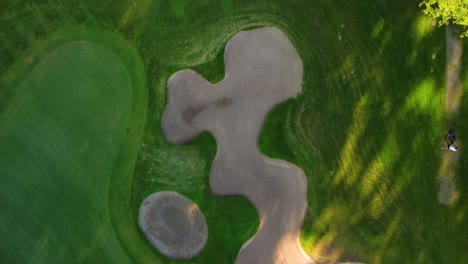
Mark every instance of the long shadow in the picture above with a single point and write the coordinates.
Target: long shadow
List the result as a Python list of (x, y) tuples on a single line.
[(399, 215)]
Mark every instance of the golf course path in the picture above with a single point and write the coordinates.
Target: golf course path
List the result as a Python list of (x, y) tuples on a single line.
[(453, 96), (263, 69)]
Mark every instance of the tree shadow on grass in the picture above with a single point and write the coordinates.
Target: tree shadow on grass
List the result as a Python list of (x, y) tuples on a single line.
[(367, 131)]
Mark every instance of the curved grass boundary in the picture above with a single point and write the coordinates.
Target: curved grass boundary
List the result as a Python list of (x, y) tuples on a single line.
[(367, 66), (222, 213), (117, 193)]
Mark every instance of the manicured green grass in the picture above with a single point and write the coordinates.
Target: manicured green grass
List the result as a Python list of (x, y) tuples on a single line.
[(366, 129), (61, 133)]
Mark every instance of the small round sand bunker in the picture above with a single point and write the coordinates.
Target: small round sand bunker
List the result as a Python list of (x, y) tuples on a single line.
[(173, 224)]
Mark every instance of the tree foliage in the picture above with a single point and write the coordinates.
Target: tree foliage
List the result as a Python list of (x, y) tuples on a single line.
[(448, 12)]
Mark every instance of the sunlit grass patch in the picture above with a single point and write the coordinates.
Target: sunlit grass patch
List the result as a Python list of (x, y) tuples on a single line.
[(351, 163), (426, 99), (380, 166), (422, 27)]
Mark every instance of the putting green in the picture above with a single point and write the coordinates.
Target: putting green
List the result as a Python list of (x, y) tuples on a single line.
[(63, 131)]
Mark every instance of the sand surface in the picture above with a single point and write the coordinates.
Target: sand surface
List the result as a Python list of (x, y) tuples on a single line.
[(263, 69), (173, 224)]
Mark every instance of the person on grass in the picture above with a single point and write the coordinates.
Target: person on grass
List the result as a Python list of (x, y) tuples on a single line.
[(451, 136), (450, 140)]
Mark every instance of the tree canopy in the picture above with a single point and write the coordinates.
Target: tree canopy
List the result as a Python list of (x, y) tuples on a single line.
[(448, 12)]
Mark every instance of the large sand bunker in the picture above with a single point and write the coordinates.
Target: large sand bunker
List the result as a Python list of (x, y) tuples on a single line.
[(262, 70), (173, 224)]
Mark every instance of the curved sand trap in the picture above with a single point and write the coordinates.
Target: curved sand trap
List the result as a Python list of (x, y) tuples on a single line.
[(173, 224), (262, 70)]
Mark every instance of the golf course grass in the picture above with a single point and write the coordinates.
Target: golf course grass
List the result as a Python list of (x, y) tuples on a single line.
[(62, 130), (83, 87)]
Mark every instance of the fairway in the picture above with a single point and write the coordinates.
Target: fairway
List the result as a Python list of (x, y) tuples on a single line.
[(83, 88)]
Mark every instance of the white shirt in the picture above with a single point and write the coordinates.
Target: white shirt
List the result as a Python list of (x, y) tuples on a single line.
[(452, 148)]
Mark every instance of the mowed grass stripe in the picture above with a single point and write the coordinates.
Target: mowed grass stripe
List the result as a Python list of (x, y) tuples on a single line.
[(66, 123)]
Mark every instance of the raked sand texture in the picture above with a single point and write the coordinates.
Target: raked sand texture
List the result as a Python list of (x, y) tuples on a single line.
[(173, 224), (263, 69)]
